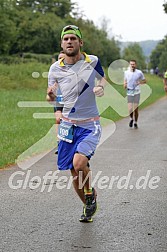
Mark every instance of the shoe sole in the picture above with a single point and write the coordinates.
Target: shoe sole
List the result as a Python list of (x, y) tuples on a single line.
[(86, 219)]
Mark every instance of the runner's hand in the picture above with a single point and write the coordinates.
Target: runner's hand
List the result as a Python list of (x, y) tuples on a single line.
[(51, 92), (99, 91)]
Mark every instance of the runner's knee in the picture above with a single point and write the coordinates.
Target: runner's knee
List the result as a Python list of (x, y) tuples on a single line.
[(80, 162)]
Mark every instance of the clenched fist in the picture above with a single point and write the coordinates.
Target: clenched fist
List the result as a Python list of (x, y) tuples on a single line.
[(99, 91)]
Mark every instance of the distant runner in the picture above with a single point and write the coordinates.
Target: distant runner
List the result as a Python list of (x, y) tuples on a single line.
[(133, 78)]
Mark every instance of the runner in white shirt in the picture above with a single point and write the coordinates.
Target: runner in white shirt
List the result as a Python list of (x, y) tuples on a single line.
[(132, 80)]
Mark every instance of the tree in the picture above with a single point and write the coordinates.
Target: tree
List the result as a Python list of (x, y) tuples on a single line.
[(157, 58), (37, 34), (163, 62), (61, 8), (35, 26), (8, 28), (134, 51)]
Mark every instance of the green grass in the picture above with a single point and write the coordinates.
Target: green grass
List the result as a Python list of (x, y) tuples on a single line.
[(19, 130)]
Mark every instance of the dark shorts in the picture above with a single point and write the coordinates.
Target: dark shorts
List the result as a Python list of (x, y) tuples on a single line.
[(58, 109)]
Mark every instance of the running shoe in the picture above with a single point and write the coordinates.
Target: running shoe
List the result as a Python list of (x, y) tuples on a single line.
[(131, 124), (85, 218), (135, 126), (91, 204)]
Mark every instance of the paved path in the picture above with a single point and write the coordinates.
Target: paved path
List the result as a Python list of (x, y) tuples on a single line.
[(132, 212)]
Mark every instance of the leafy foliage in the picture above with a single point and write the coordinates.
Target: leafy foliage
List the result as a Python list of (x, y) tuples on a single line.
[(61, 8), (159, 55), (8, 28), (35, 27), (147, 46), (134, 51), (30, 26)]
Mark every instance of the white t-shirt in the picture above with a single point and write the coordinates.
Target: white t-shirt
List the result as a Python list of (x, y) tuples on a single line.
[(132, 79)]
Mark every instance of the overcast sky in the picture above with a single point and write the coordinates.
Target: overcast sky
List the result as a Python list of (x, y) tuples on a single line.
[(134, 20)]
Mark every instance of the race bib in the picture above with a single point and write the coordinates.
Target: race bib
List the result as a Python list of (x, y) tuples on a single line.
[(65, 132), (130, 92), (133, 92), (59, 98)]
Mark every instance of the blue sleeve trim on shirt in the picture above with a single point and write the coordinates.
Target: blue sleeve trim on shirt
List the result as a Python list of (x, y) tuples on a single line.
[(99, 70)]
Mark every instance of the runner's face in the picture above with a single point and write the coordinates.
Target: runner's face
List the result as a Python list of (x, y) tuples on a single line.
[(133, 65), (71, 44)]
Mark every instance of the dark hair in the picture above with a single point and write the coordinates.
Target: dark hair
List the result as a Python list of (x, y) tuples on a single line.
[(132, 60)]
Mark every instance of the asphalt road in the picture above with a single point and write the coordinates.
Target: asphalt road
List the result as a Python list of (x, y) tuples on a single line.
[(130, 168)]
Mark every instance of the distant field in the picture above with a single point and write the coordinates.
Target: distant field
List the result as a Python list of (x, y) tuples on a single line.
[(19, 130)]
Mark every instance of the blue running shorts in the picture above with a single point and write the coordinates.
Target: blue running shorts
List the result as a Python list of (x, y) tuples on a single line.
[(86, 137)]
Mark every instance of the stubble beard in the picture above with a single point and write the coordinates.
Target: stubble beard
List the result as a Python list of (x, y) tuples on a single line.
[(133, 69), (72, 53)]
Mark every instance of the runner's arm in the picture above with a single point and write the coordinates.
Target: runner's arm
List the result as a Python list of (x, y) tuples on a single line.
[(99, 89)]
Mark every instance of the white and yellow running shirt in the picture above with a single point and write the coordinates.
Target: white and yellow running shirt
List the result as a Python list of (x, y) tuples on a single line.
[(76, 83)]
